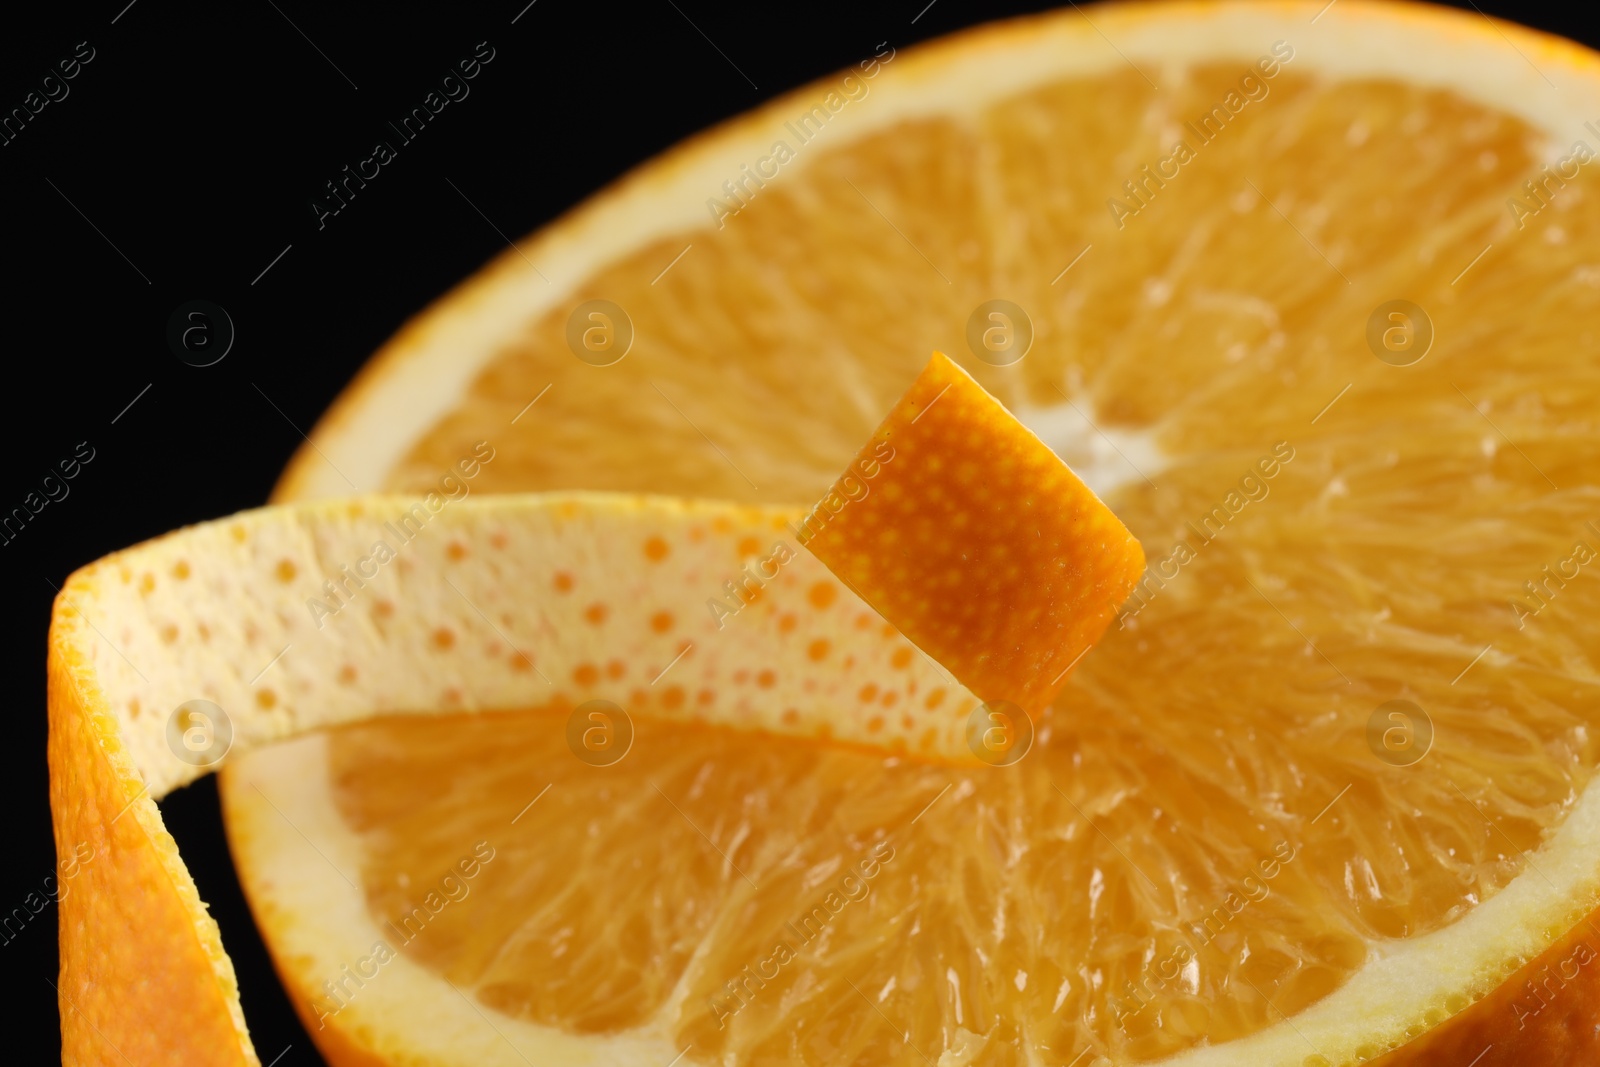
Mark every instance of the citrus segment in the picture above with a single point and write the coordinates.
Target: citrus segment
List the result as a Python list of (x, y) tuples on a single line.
[(974, 540)]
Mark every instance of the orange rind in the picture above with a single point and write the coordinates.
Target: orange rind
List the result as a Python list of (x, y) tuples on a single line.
[(294, 618), (976, 541)]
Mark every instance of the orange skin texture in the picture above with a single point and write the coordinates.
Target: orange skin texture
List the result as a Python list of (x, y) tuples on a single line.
[(124, 924), (1554, 1024), (977, 541)]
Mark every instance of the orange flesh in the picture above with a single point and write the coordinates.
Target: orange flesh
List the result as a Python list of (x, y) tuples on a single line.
[(1002, 880), (1195, 781), (976, 541)]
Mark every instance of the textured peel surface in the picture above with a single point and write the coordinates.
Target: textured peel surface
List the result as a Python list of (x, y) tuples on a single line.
[(976, 541)]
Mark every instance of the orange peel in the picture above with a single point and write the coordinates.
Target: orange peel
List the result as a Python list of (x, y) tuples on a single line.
[(538, 601), (976, 541)]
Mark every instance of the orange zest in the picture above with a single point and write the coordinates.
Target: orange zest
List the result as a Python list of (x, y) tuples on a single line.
[(976, 541)]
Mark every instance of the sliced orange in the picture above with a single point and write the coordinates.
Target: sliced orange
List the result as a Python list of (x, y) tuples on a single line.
[(1229, 852)]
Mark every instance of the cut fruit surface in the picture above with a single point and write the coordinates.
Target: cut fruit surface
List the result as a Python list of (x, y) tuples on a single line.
[(973, 539), (1327, 532), (1237, 848)]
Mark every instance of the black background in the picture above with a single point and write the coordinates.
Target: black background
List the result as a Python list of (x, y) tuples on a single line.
[(184, 159)]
